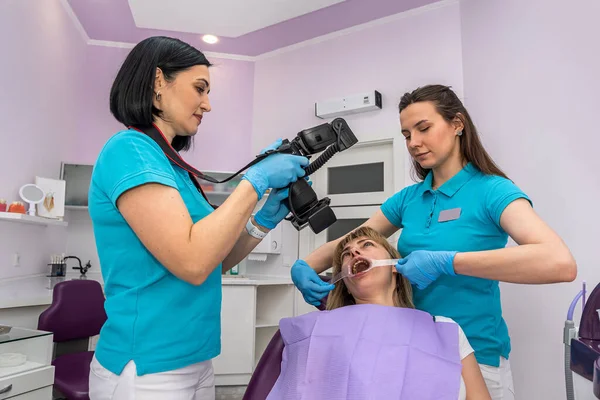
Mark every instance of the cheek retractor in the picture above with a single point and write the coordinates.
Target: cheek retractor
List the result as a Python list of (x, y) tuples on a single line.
[(361, 266)]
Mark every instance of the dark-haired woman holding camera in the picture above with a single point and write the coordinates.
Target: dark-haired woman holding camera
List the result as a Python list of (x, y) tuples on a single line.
[(162, 247)]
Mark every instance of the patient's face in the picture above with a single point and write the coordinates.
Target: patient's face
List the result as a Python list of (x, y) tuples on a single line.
[(376, 280)]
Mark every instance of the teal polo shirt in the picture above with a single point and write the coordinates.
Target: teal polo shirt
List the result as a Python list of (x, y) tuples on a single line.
[(157, 320), (473, 303)]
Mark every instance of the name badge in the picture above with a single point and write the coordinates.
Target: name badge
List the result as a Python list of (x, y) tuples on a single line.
[(449, 215)]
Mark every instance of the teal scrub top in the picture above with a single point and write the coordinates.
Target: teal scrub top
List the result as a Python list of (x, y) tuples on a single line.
[(474, 303), (157, 320)]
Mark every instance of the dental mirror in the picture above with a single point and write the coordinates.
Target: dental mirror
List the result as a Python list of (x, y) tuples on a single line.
[(32, 194)]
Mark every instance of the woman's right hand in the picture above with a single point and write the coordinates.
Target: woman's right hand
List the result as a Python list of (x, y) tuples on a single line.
[(276, 171), (312, 287)]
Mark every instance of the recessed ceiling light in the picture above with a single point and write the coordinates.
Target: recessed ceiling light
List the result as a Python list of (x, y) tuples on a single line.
[(211, 39)]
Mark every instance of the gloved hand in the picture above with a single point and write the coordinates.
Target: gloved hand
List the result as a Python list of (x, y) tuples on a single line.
[(312, 287), (274, 210), (273, 146), (422, 267), (276, 171)]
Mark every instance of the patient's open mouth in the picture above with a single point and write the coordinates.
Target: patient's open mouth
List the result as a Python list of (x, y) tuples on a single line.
[(360, 266)]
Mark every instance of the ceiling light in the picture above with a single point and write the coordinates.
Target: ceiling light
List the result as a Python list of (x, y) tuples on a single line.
[(211, 39)]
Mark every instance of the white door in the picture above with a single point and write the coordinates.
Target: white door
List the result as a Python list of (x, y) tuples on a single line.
[(367, 173), (357, 181)]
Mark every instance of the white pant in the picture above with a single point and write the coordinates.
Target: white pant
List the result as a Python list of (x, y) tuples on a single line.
[(499, 380), (194, 382)]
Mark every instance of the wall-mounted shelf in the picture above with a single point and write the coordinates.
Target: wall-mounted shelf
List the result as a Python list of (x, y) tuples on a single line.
[(76, 207), (30, 219)]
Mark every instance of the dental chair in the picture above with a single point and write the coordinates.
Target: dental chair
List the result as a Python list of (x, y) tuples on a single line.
[(582, 348), (75, 315), (269, 366)]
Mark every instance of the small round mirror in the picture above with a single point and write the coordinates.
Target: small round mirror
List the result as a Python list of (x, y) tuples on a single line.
[(32, 194)]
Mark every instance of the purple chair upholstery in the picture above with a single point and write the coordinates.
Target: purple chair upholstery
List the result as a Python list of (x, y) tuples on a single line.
[(269, 366), (77, 312), (596, 381)]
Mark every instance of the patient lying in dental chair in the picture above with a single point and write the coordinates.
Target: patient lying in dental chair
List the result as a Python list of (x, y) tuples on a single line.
[(371, 343)]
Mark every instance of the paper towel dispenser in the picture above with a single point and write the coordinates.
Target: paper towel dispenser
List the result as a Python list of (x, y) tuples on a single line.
[(271, 244)]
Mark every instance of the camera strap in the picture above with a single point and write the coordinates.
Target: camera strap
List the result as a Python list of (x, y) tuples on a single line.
[(155, 134)]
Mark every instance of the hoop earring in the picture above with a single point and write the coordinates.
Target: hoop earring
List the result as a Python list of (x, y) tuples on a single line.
[(158, 95)]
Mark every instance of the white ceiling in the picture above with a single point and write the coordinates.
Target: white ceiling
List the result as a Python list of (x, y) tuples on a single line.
[(228, 18)]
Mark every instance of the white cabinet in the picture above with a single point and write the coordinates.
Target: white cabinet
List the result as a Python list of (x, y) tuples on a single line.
[(39, 394), (252, 309), (33, 377), (237, 332)]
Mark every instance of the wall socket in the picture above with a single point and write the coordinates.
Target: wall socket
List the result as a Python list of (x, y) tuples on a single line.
[(16, 259)]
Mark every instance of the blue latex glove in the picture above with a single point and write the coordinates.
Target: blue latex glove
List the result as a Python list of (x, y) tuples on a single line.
[(276, 171), (273, 146), (312, 287), (422, 267), (274, 210)]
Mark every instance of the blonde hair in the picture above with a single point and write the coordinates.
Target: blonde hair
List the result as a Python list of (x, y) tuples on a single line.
[(340, 296)]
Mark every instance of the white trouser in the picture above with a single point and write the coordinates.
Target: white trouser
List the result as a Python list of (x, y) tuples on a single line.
[(499, 380), (194, 382)]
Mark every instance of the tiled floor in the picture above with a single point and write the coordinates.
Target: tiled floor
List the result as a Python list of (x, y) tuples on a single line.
[(230, 392)]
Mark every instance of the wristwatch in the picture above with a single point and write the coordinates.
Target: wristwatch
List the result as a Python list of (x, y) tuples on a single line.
[(254, 231)]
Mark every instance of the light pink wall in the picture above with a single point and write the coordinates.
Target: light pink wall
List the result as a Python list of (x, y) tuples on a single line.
[(41, 71), (54, 105), (393, 58), (531, 82), (223, 141), (95, 123)]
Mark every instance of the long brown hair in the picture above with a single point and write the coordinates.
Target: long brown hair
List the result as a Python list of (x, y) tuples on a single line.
[(340, 296), (449, 106)]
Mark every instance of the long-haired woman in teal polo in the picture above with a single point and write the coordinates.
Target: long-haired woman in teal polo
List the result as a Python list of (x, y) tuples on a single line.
[(455, 226)]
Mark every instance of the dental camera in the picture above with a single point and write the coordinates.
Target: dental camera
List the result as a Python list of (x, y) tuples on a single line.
[(306, 209), (304, 206)]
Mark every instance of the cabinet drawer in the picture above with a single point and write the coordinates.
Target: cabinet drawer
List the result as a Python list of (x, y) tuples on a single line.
[(40, 394), (27, 381)]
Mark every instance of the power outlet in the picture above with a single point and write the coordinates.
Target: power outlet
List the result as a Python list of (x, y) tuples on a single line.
[(16, 260)]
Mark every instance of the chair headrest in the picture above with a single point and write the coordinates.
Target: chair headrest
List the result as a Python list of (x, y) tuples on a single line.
[(77, 310)]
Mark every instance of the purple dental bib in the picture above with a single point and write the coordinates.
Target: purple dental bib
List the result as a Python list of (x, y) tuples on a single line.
[(368, 352)]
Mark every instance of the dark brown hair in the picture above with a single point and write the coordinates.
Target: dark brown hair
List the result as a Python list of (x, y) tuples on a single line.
[(340, 296), (133, 89), (449, 106)]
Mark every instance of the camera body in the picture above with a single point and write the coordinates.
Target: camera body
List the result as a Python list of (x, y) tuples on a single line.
[(329, 138)]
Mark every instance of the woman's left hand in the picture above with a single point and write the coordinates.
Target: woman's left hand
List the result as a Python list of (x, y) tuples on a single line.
[(274, 210), (422, 267)]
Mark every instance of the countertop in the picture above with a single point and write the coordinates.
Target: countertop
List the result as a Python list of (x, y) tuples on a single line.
[(256, 280), (36, 290)]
